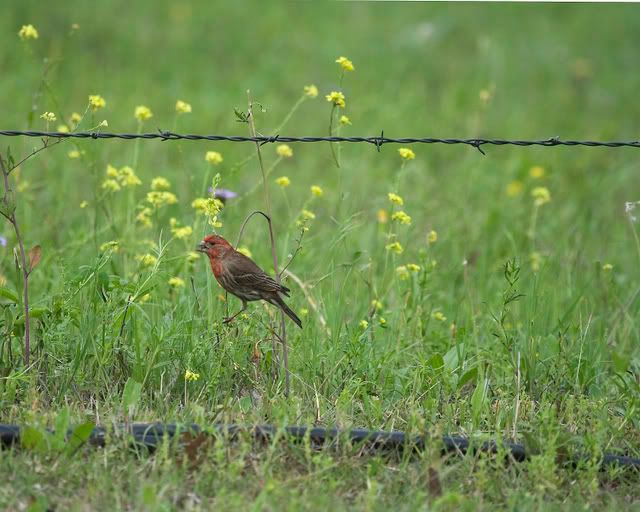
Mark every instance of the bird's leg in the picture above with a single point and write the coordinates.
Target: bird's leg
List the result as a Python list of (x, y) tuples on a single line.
[(229, 319)]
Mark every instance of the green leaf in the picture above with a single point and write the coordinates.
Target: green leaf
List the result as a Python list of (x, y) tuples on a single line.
[(130, 396), (9, 294), (79, 436), (436, 362), (62, 424), (468, 376), (32, 438)]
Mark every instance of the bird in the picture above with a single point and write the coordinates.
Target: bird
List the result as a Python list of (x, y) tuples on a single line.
[(240, 276)]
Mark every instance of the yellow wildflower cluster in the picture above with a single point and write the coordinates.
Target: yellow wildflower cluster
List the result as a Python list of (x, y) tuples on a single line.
[(344, 120), (96, 102), (160, 183), (176, 282), (112, 245), (337, 98), (305, 219), (412, 267), (541, 195), (116, 179), (159, 198), (432, 236), (311, 91), (74, 153), (191, 376), (514, 188), (142, 113), (537, 172), (438, 316), (179, 232), (147, 260), (363, 324), (28, 32), (283, 181), (406, 154), (144, 217), (182, 107), (210, 208), (401, 217), (395, 199), (404, 271), (317, 191), (284, 151), (62, 128), (213, 157), (395, 247), (607, 267), (345, 64), (75, 119), (84, 204), (376, 304), (48, 117)]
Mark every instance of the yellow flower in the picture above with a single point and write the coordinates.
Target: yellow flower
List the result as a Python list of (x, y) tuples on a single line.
[(412, 267), (128, 177), (304, 312), (406, 153), (147, 260), (28, 32), (144, 217), (213, 157), (395, 199), (607, 267), (382, 216), (191, 376), (96, 102), (142, 113), (63, 128), (311, 91), (75, 118), (307, 215), (485, 95), (383, 322), (48, 116), (112, 172), (344, 120), (536, 172), (514, 188), (540, 196), (284, 151), (402, 272), (337, 98), (316, 191), (103, 123), (183, 107), (376, 304), (112, 245), (176, 282), (395, 247), (245, 251), (363, 324), (160, 198), (111, 185), (345, 64), (439, 316), (84, 204), (74, 153), (181, 232), (535, 258), (283, 181), (160, 183), (432, 236), (401, 217), (145, 298)]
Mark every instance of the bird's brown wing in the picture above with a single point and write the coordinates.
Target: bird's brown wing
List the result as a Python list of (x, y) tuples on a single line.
[(248, 275)]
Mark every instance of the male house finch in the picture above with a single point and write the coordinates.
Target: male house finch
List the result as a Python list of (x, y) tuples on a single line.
[(241, 277)]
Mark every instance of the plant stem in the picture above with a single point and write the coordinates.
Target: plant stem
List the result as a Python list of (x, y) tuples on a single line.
[(274, 254)]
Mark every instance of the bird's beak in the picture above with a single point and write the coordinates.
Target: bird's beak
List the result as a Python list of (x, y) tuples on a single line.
[(201, 247)]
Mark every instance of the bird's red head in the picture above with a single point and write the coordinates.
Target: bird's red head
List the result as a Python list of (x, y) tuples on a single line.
[(213, 245)]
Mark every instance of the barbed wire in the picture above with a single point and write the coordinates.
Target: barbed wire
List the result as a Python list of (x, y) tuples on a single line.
[(378, 141)]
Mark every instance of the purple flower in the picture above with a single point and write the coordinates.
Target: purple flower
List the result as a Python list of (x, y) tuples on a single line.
[(3, 241), (223, 194)]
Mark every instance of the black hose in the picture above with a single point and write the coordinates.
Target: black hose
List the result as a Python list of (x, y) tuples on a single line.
[(149, 435)]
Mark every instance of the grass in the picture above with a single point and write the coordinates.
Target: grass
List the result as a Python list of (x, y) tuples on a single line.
[(521, 322)]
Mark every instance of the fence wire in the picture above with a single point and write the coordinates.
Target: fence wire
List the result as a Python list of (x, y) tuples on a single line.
[(377, 141)]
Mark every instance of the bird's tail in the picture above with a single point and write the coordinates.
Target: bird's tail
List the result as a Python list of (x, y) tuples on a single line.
[(283, 306)]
